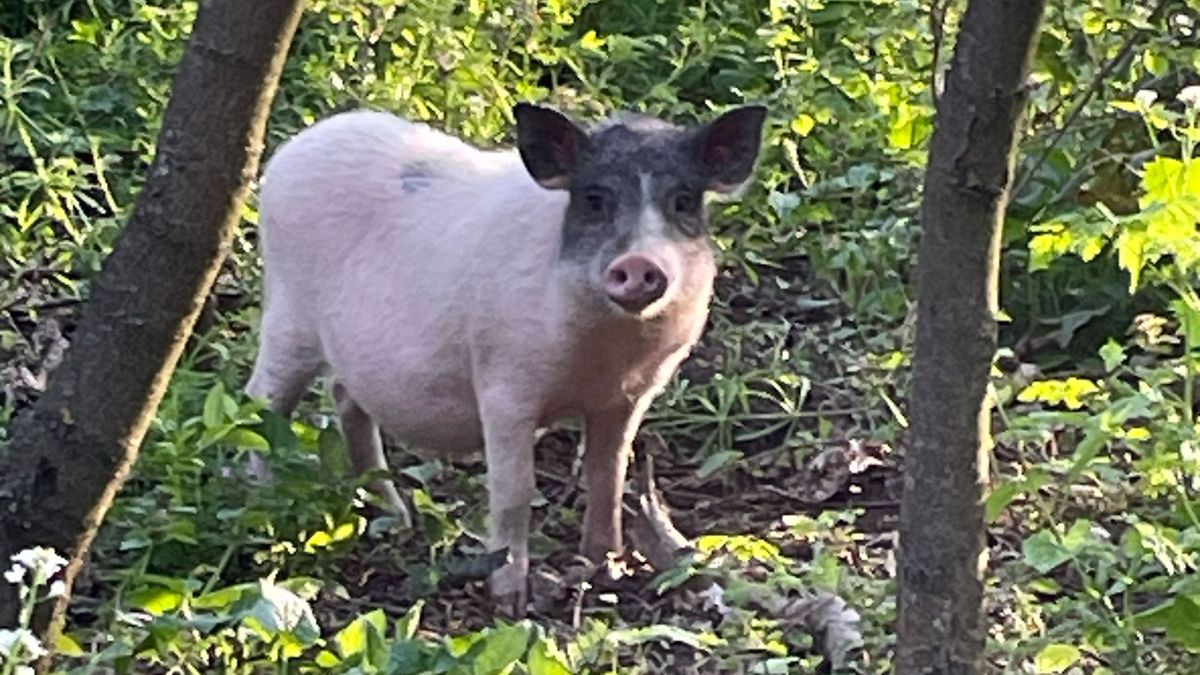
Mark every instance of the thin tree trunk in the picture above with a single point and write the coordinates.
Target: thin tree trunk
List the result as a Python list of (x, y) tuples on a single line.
[(942, 534), (71, 451)]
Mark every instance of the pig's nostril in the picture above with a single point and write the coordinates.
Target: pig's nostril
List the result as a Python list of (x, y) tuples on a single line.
[(619, 276), (651, 278)]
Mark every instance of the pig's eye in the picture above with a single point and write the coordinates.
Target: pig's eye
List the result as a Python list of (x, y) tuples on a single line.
[(683, 203), (597, 202)]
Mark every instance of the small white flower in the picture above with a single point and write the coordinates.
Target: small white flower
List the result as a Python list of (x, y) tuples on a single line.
[(1189, 96), (42, 561), (1145, 98), (8, 638), (56, 589), (15, 575), (24, 670), (28, 644), (1182, 21)]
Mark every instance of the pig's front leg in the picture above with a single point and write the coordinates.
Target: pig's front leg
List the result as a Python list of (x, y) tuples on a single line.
[(607, 448), (508, 446)]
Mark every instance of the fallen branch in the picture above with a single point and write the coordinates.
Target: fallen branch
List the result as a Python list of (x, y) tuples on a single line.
[(826, 616)]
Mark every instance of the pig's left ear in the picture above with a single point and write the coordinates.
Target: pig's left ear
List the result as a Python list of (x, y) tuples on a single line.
[(549, 143), (727, 147)]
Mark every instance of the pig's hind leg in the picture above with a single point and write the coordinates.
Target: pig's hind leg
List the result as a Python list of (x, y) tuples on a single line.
[(366, 451), (286, 365)]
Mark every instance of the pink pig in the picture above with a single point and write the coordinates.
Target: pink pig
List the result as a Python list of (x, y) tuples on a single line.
[(463, 298)]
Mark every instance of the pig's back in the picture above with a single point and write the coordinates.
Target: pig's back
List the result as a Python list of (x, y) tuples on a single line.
[(339, 189)]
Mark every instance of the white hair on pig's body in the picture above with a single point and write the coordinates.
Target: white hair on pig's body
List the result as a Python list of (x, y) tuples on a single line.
[(350, 246), (428, 277)]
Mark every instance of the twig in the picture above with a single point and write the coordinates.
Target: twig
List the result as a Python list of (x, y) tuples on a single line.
[(1122, 54), (57, 303)]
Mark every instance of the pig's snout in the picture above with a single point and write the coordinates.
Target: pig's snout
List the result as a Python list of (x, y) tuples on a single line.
[(634, 281)]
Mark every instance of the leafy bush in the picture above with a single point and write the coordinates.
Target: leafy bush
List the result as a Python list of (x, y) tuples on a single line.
[(1094, 534)]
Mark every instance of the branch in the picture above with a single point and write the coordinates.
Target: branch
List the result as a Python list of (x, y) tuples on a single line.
[(1122, 54)]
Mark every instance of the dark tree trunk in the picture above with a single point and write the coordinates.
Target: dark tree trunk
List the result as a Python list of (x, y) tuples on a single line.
[(71, 451), (942, 535)]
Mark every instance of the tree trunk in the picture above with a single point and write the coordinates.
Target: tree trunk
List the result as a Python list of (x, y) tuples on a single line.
[(71, 451), (942, 534)]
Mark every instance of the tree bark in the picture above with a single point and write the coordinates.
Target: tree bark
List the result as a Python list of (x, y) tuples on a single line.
[(942, 533), (71, 451)]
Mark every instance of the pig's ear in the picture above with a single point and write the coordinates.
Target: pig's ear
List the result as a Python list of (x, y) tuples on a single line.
[(727, 147), (549, 143)]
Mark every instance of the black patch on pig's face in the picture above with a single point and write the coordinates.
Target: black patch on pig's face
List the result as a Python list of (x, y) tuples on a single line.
[(635, 176), (633, 169)]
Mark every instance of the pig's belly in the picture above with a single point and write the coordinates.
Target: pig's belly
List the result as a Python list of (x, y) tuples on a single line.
[(446, 425)]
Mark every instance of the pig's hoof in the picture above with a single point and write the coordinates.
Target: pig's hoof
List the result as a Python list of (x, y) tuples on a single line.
[(512, 606), (509, 589), (391, 501), (601, 550)]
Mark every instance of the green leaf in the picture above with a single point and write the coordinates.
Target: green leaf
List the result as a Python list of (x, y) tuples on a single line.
[(1181, 619), (1163, 179), (1057, 657), (246, 439), (1093, 442), (1007, 491), (501, 648), (803, 124), (1131, 245), (1078, 536), (331, 448), (902, 133), (327, 660), (352, 639), (156, 600), (277, 429), (662, 633), (592, 42), (1155, 64), (546, 659), (279, 611), (1071, 392), (718, 461), (214, 406), (66, 645), (1113, 354), (1043, 552), (1046, 247), (223, 598), (412, 657), (406, 626), (1002, 496)]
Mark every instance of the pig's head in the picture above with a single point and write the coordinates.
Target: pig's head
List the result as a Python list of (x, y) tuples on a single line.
[(635, 230)]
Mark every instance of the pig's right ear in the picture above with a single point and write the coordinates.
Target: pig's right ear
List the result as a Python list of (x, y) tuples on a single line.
[(549, 143)]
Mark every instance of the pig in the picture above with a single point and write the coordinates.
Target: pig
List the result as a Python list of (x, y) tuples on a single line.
[(462, 298)]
